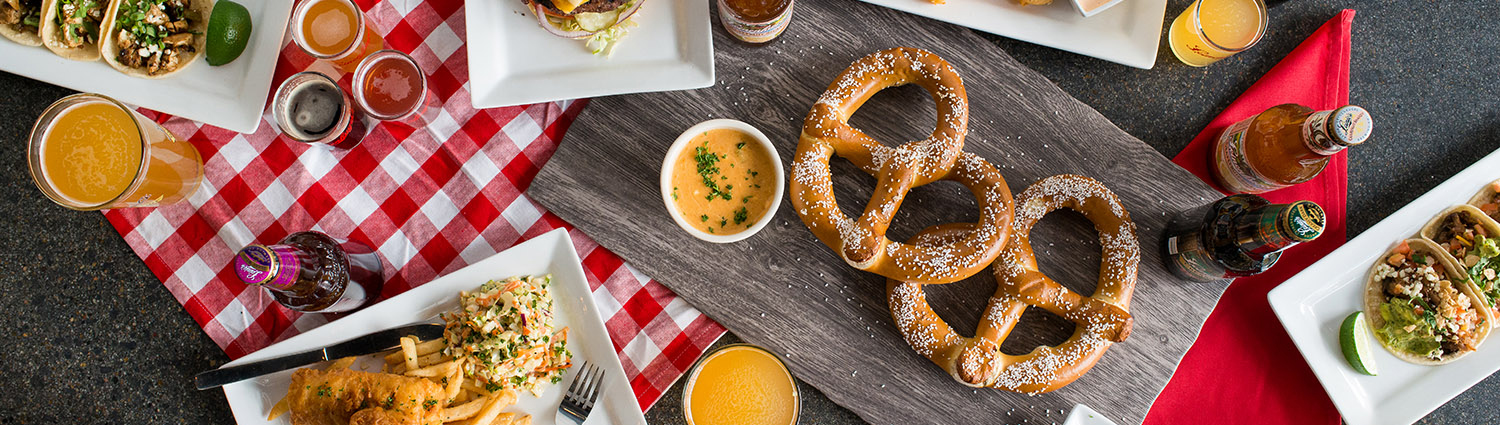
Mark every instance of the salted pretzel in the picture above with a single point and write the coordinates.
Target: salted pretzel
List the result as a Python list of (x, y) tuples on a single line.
[(862, 242), (1102, 319)]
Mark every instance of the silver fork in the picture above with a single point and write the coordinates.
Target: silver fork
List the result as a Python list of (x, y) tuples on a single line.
[(579, 400)]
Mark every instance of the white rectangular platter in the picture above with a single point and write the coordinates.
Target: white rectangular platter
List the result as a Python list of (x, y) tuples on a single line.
[(1312, 305), (231, 96), (513, 61), (551, 253), (1127, 33)]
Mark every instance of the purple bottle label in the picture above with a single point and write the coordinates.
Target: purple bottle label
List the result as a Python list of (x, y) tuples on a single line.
[(262, 265)]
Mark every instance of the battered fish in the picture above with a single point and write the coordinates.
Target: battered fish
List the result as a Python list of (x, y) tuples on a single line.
[(348, 397)]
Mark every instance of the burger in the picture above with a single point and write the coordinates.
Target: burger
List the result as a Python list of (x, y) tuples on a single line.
[(599, 23)]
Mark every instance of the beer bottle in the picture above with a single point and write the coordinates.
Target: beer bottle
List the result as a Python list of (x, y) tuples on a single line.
[(1285, 145), (313, 272), (1240, 235)]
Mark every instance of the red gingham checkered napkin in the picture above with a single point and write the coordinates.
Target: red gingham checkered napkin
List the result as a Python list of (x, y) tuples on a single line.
[(430, 201)]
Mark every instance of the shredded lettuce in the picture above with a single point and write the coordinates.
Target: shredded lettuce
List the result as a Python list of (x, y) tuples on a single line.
[(607, 33), (1398, 315)]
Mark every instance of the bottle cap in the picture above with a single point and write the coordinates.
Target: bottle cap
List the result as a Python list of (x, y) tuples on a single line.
[(261, 265), (1350, 125), (1303, 221)]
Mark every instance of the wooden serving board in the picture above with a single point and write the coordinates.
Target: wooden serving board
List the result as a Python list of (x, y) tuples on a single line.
[(784, 290)]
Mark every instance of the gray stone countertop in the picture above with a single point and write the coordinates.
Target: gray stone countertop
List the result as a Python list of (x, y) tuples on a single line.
[(88, 335)]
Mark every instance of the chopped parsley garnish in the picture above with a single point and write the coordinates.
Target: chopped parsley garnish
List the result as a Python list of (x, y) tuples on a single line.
[(741, 215), (708, 168)]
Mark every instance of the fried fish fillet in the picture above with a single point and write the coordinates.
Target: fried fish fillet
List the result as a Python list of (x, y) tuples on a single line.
[(348, 397)]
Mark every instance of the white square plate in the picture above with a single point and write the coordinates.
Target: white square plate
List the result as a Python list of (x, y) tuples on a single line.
[(550, 253), (1126, 33), (1312, 305), (513, 61), (231, 96)]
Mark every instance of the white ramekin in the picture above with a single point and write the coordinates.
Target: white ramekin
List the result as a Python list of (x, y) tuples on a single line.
[(682, 143)]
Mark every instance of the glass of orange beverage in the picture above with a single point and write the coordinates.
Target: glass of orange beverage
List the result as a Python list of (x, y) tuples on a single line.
[(89, 152), (740, 384), (1211, 30), (389, 86), (334, 30)]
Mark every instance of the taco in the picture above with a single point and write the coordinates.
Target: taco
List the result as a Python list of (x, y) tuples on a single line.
[(21, 21), (1420, 309), (154, 38), (71, 28), (1471, 241), (1488, 200)]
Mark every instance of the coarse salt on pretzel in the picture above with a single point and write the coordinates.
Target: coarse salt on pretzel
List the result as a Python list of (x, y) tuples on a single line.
[(1101, 319), (862, 242)]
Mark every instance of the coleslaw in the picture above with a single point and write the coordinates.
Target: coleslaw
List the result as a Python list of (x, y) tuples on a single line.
[(504, 333)]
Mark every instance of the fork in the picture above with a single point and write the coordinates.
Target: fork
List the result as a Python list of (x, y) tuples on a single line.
[(579, 401)]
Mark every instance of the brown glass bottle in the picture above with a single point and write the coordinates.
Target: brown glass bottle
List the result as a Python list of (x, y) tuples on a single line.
[(1285, 145), (1240, 235), (313, 272)]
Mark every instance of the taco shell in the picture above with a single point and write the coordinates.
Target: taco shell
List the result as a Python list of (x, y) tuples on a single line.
[(52, 34), (1375, 296), (1430, 230), (110, 49), (1486, 194), (28, 38)]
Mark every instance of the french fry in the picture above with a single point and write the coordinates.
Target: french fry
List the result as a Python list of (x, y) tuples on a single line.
[(504, 418), (423, 348), (455, 381), (409, 350), (342, 363), (463, 396), (279, 409), (432, 358), (437, 370), (524, 420), (477, 388), (464, 411), (490, 411)]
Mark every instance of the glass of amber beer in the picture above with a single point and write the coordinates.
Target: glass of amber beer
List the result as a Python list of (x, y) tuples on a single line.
[(334, 30), (1211, 30), (89, 152)]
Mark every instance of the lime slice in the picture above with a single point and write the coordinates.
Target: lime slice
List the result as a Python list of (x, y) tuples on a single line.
[(228, 32), (1354, 337)]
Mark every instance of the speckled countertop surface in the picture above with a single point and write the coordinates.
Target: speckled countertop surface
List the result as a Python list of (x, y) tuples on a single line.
[(88, 335)]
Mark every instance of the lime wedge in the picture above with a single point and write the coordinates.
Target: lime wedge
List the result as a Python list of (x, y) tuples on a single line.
[(1354, 337)]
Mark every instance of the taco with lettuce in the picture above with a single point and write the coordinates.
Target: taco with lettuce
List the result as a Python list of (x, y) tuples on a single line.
[(71, 28), (21, 21), (1472, 241), (154, 38), (1421, 309)]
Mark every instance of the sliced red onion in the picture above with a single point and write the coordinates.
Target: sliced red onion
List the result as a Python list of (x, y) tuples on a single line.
[(541, 18)]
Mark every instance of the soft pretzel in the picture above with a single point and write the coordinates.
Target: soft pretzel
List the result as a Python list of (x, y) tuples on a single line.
[(862, 242), (1101, 319)]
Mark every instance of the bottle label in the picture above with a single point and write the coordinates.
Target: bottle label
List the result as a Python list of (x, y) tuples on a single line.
[(1187, 258), (1233, 167), (262, 265), (1305, 220)]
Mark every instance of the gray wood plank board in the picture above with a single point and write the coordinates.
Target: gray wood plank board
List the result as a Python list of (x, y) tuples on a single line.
[(784, 290)]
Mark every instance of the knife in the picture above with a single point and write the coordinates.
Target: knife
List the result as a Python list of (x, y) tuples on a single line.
[(368, 344)]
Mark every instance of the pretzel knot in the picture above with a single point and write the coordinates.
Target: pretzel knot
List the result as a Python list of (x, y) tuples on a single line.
[(862, 242), (1101, 319)]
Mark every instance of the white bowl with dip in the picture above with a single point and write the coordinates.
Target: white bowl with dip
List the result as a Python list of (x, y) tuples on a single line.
[(763, 183)]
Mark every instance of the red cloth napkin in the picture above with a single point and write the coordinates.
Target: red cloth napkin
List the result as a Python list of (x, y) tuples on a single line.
[(1244, 368)]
